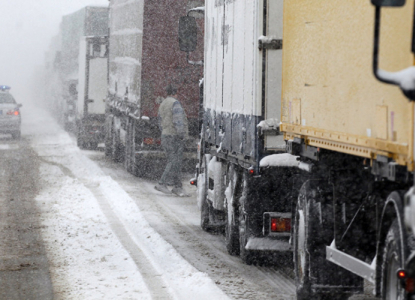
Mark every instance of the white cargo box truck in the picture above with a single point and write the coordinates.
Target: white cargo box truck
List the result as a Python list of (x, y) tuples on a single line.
[(92, 91), (244, 176)]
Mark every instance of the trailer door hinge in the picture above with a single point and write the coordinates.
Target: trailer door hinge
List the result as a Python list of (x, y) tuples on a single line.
[(269, 43)]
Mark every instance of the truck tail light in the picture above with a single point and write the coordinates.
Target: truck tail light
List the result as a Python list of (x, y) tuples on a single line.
[(151, 141), (193, 181), (407, 282), (280, 224), (401, 274), (410, 285)]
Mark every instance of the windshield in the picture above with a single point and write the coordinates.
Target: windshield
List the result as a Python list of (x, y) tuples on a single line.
[(6, 98)]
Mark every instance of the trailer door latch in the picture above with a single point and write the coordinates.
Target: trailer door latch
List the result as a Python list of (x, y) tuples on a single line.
[(269, 43)]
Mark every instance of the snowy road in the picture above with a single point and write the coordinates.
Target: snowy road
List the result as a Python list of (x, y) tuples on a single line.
[(110, 235), (24, 270)]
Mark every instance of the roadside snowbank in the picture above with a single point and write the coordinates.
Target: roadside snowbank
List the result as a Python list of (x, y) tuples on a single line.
[(88, 261)]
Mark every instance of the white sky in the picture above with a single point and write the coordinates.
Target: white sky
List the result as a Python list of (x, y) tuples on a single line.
[(26, 29)]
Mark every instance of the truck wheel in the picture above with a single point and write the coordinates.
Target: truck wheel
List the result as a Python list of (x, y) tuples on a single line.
[(80, 143), (301, 249), (117, 155), (232, 195), (204, 216), (108, 149), (205, 208), (16, 135), (247, 256), (93, 145), (139, 167), (392, 261), (312, 232)]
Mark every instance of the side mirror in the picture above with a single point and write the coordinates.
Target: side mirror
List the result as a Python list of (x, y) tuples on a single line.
[(187, 34), (388, 2), (405, 79)]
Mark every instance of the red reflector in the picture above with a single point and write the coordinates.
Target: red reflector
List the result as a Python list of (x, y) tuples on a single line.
[(148, 141), (193, 181), (401, 274), (410, 285), (280, 225), (151, 141)]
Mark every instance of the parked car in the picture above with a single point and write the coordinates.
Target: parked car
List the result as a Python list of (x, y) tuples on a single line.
[(10, 118)]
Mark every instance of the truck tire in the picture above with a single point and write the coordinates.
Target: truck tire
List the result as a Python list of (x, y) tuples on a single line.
[(232, 195), (108, 149), (204, 217), (247, 256), (108, 140), (117, 154), (312, 232), (204, 205), (392, 261), (93, 145), (16, 135), (80, 143), (139, 167)]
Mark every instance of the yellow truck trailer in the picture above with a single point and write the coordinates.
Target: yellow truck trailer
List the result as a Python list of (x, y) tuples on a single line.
[(355, 139)]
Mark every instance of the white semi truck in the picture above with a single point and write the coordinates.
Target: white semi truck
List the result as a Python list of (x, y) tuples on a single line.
[(244, 175)]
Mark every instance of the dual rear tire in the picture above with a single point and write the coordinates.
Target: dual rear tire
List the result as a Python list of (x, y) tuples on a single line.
[(313, 230), (16, 135)]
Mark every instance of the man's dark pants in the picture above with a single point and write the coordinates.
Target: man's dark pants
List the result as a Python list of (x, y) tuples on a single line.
[(174, 146)]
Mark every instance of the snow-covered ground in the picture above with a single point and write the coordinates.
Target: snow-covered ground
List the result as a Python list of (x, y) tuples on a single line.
[(99, 244), (110, 235)]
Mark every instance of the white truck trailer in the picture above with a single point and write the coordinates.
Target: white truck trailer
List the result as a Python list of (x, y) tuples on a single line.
[(92, 91), (63, 66), (244, 176)]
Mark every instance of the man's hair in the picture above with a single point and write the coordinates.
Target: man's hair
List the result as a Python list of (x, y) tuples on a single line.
[(171, 90)]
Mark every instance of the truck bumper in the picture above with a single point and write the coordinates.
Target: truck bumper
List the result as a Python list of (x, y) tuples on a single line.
[(268, 244), (158, 154)]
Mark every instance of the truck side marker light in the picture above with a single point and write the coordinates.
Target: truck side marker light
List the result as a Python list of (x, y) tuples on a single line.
[(280, 225), (401, 274)]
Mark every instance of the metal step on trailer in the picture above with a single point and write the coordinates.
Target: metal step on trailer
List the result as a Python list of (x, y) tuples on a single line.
[(268, 244), (350, 263)]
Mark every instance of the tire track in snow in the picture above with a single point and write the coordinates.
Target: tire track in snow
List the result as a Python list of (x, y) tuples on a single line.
[(281, 284), (158, 288), (153, 279)]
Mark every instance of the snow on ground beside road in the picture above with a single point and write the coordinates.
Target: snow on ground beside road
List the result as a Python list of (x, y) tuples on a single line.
[(88, 260)]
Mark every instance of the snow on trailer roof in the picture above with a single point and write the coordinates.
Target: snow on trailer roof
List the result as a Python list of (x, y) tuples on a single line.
[(279, 160)]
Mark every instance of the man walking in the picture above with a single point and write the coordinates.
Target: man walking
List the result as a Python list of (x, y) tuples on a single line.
[(174, 132)]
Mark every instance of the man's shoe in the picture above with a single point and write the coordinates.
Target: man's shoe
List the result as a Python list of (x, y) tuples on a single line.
[(162, 188), (179, 192)]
